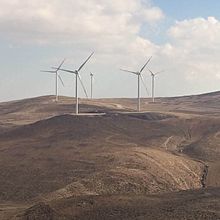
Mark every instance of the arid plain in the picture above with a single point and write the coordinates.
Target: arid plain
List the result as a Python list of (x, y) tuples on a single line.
[(162, 163)]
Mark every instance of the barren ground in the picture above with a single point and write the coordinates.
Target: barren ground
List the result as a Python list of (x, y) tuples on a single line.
[(162, 163)]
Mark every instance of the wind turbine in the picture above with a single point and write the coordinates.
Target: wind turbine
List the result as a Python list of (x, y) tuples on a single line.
[(58, 77), (77, 76), (153, 82), (91, 84), (139, 77)]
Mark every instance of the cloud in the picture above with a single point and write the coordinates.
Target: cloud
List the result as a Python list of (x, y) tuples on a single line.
[(189, 31), (153, 14), (71, 21), (195, 43)]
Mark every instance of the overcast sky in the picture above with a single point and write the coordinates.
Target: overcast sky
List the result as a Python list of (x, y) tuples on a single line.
[(182, 36)]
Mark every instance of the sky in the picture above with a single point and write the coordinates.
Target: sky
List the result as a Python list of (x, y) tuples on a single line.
[(183, 38)]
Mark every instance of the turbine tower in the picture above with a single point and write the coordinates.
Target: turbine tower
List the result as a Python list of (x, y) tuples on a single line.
[(77, 76), (139, 77), (58, 77), (91, 85), (153, 83)]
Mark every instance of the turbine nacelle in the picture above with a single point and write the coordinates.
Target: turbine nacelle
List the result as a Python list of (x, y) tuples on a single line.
[(154, 74)]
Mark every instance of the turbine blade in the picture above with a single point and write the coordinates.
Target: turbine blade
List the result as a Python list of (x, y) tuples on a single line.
[(145, 86), (58, 68), (85, 62), (64, 70), (61, 64), (129, 71), (84, 89), (48, 71), (61, 80), (159, 72), (145, 64), (151, 72)]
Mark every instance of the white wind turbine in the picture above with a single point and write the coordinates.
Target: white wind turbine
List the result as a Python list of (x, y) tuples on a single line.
[(139, 77), (153, 83), (77, 76), (58, 77), (91, 85)]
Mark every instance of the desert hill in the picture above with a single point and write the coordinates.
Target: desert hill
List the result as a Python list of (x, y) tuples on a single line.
[(198, 204), (50, 159)]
